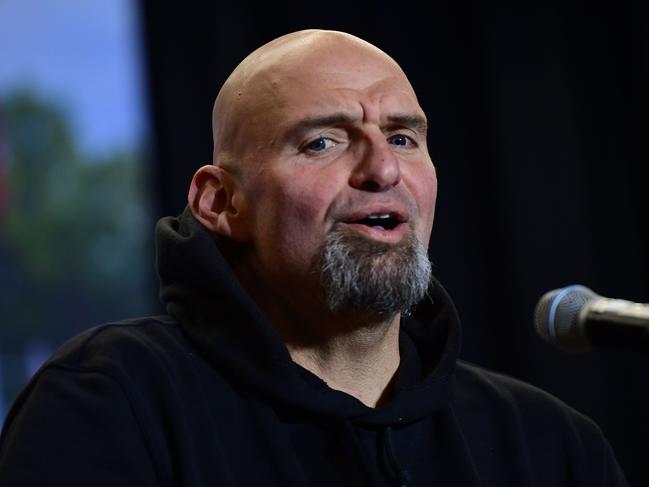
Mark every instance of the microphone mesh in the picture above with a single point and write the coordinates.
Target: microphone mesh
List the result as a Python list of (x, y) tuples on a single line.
[(556, 317)]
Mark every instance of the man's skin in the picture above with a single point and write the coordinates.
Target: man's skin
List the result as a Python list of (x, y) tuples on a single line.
[(313, 131)]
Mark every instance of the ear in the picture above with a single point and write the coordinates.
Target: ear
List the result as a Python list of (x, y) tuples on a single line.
[(217, 201)]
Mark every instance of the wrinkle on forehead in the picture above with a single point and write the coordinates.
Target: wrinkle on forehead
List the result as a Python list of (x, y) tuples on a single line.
[(258, 87)]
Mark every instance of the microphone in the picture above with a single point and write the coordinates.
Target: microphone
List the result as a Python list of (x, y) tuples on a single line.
[(576, 319)]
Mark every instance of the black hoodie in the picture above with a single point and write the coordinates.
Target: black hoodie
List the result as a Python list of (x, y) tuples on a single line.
[(209, 396)]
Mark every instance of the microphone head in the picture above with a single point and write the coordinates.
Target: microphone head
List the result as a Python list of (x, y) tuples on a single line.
[(556, 317)]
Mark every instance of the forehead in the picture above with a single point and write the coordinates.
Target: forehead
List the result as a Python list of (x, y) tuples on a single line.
[(322, 92), (334, 74)]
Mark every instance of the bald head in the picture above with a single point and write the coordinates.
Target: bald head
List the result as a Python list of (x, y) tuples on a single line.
[(253, 98)]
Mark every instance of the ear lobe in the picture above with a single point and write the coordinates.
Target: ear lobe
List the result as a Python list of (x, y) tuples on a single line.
[(216, 200)]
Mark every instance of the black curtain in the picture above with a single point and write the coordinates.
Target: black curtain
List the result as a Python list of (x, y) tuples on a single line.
[(538, 128)]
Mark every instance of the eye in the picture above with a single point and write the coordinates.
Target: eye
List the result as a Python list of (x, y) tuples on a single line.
[(401, 140), (320, 144)]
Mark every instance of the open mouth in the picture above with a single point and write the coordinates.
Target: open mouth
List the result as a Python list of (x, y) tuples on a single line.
[(386, 221)]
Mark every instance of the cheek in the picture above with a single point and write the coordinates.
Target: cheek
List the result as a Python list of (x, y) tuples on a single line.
[(310, 204), (294, 206), (430, 192), (424, 188), (308, 191)]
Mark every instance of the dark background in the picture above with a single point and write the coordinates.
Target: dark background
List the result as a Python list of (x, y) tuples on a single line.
[(538, 128)]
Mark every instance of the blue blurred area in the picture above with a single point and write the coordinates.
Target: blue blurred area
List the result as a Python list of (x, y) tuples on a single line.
[(75, 216), (87, 56)]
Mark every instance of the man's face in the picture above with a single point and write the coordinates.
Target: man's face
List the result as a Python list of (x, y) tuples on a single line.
[(340, 145)]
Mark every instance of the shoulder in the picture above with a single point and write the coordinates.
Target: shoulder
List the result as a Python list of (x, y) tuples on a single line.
[(511, 419), (477, 388), (86, 403), (136, 359), (475, 383), (511, 407), (129, 366), (124, 343)]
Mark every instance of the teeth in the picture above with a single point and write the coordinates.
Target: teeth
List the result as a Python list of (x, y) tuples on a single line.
[(377, 217)]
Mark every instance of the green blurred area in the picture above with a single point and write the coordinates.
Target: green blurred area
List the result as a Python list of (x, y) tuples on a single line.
[(76, 245)]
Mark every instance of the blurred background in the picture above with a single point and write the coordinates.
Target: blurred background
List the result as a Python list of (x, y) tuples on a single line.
[(539, 128), (76, 200)]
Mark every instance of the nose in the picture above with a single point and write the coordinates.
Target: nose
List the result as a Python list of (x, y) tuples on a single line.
[(378, 167)]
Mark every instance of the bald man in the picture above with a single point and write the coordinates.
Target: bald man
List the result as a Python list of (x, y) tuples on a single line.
[(306, 342)]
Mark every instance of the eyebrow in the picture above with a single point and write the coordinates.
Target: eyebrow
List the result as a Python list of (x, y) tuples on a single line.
[(414, 122), (309, 123), (411, 121)]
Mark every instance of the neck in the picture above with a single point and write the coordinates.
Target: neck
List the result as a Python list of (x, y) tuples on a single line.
[(354, 352), (360, 361)]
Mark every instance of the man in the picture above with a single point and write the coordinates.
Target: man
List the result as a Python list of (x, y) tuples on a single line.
[(306, 342)]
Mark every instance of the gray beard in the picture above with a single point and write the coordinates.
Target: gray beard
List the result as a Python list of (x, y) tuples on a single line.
[(357, 273)]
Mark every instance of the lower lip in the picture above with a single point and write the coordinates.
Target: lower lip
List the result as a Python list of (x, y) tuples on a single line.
[(380, 233)]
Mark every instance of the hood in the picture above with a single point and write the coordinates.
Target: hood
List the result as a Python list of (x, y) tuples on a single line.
[(200, 290)]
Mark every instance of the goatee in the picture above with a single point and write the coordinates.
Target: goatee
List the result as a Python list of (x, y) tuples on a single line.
[(358, 273)]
